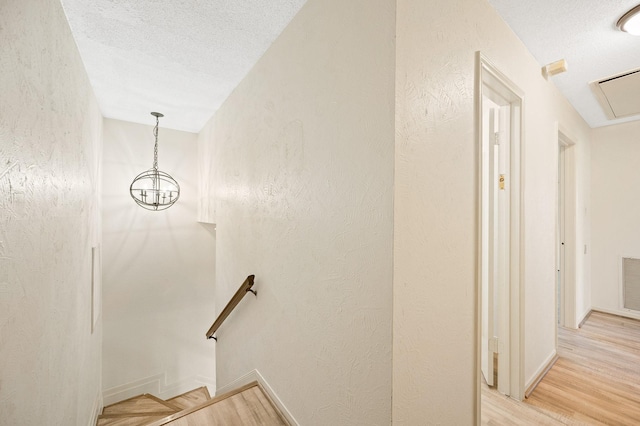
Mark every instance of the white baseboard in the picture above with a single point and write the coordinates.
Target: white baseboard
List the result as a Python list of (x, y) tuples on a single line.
[(156, 385), (255, 376), (627, 313), (540, 373), (96, 410), (584, 318)]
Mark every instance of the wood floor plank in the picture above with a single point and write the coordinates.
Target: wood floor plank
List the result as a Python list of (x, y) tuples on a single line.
[(127, 421), (191, 398), (596, 380), (249, 407), (598, 376), (498, 409), (139, 405)]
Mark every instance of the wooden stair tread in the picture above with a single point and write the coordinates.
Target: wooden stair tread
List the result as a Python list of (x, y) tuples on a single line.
[(248, 408), (191, 398), (247, 405), (127, 421), (141, 404)]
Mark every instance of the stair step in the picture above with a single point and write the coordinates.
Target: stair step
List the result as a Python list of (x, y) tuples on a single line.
[(248, 405), (127, 420), (142, 404), (191, 398)]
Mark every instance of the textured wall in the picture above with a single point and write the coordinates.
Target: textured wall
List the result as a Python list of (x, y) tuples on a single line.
[(583, 205), (159, 270), (304, 174), (615, 163), (435, 200), (50, 142), (206, 175)]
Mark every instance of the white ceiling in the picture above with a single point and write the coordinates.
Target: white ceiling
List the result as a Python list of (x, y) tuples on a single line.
[(184, 57), (179, 57), (584, 33)]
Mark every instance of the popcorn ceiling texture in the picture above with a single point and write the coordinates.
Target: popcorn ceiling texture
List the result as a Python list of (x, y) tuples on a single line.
[(304, 193), (181, 57), (50, 142), (584, 33)]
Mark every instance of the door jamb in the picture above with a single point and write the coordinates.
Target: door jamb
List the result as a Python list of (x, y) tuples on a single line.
[(486, 71), (569, 290)]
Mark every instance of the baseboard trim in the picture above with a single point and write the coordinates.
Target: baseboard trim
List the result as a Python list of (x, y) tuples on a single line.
[(156, 385), (620, 313), (585, 318), (255, 376), (541, 373), (96, 410)]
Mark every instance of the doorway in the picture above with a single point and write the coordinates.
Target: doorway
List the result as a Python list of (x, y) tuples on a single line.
[(500, 330), (495, 241), (560, 245), (567, 312)]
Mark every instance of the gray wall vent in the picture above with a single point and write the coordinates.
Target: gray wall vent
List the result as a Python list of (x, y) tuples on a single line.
[(631, 283)]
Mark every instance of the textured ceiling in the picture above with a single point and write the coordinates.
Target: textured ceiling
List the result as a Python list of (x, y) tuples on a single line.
[(584, 33), (180, 57), (184, 57)]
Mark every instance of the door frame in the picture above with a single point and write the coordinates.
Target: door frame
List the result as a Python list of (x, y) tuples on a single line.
[(569, 314), (488, 217), (489, 78), (560, 237)]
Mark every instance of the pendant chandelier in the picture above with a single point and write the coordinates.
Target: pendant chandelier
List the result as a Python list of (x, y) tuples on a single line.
[(153, 189)]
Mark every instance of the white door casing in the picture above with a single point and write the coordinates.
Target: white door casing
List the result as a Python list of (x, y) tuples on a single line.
[(508, 262)]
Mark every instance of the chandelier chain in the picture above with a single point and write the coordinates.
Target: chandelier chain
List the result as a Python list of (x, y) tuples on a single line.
[(155, 148)]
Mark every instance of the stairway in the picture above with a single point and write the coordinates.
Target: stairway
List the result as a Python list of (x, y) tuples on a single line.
[(248, 405)]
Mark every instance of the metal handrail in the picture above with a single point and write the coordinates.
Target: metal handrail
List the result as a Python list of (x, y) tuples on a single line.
[(244, 288)]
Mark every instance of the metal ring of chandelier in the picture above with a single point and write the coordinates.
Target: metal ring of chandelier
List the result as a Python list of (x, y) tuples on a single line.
[(153, 189)]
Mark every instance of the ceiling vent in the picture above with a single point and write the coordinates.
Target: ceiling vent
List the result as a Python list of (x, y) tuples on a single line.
[(619, 95)]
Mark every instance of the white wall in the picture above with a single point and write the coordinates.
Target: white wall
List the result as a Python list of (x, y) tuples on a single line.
[(304, 172), (50, 143), (580, 155), (206, 175), (159, 270), (435, 225), (615, 162)]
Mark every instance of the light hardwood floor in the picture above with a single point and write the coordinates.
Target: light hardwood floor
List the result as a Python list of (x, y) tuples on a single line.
[(596, 381), (137, 411), (145, 409), (141, 404), (191, 398), (246, 406)]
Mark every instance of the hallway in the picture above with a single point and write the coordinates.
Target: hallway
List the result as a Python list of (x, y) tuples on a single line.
[(596, 380)]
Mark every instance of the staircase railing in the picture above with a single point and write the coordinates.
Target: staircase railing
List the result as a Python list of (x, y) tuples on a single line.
[(244, 289)]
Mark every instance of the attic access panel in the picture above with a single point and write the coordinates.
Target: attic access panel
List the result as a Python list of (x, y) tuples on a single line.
[(619, 95)]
